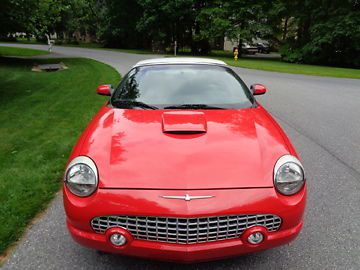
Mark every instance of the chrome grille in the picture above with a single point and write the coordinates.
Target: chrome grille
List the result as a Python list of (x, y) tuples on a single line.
[(186, 230)]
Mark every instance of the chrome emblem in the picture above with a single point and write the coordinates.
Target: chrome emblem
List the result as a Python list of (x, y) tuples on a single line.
[(187, 197)]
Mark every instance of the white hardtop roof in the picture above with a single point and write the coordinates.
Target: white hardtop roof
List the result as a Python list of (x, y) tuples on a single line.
[(180, 60)]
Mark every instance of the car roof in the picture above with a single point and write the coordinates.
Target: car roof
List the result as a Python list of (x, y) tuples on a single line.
[(180, 60)]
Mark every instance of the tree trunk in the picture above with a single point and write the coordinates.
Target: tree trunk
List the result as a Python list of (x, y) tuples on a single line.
[(285, 29)]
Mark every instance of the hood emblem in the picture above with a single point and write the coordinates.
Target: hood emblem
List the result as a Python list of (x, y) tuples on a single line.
[(187, 197)]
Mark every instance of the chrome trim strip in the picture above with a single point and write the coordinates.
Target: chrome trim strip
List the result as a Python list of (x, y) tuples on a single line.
[(187, 197)]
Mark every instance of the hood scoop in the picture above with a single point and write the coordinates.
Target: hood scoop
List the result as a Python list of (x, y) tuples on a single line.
[(184, 122)]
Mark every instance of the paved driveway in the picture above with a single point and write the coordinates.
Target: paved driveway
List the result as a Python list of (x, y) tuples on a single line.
[(322, 117)]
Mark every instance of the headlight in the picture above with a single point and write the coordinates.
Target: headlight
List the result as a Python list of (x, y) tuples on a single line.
[(81, 176), (288, 175)]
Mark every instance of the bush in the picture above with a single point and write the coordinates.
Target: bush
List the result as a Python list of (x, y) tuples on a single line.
[(291, 55)]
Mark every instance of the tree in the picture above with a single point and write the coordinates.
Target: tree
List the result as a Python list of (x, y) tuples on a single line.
[(239, 20), (120, 28), (322, 31), (334, 34), (199, 23), (30, 16), (166, 21), (14, 16), (308, 31), (83, 19)]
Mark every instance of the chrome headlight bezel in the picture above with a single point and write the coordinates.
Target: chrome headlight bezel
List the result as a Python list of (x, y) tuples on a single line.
[(289, 188), (75, 188)]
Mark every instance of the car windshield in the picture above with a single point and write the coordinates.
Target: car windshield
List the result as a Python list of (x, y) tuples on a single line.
[(182, 86)]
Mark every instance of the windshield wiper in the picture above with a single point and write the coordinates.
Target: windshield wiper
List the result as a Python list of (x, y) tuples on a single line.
[(132, 103), (194, 106)]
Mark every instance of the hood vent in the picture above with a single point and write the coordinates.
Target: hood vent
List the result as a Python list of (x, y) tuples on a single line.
[(184, 122)]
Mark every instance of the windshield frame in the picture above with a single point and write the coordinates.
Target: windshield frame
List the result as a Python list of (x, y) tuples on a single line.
[(246, 90)]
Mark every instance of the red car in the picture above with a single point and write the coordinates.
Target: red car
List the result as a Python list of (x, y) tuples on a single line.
[(183, 164)]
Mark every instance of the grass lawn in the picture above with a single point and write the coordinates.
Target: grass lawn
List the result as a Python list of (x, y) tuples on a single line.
[(12, 51), (278, 66), (42, 115)]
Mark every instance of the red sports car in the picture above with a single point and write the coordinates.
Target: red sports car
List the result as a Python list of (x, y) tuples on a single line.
[(183, 164)]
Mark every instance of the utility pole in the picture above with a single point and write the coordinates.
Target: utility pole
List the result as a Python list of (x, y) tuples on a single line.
[(175, 47)]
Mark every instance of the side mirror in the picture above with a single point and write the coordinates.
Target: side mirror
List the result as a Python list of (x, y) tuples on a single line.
[(104, 90), (258, 89)]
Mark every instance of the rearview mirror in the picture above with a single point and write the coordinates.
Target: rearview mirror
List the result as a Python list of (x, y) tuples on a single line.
[(258, 89), (104, 90)]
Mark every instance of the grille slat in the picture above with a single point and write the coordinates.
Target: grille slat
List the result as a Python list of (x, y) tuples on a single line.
[(186, 230)]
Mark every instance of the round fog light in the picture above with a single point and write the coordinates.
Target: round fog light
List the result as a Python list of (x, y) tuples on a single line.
[(255, 238), (117, 239)]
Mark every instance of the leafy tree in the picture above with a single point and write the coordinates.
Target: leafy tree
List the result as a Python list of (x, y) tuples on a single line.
[(30, 16), (239, 20), (44, 16), (199, 23), (14, 16), (319, 31), (281, 21), (120, 29), (166, 21), (82, 18), (308, 31), (334, 34)]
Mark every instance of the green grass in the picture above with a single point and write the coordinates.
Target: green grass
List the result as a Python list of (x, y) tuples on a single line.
[(278, 66), (42, 115), (12, 51)]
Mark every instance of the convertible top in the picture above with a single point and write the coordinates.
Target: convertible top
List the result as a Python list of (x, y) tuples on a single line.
[(180, 60)]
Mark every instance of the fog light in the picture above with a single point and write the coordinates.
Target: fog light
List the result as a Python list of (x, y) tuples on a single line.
[(255, 238), (117, 239)]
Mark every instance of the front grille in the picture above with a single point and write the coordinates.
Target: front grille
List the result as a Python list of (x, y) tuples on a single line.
[(186, 230)]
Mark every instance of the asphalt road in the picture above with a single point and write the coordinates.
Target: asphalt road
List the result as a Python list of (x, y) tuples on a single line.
[(321, 116)]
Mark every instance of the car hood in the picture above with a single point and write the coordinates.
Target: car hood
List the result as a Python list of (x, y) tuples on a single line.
[(162, 149)]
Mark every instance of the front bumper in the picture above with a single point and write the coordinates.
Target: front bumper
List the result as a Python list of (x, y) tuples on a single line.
[(80, 212)]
